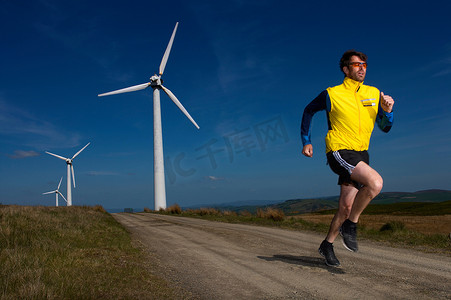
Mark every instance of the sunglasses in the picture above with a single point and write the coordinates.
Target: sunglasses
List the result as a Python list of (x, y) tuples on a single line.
[(358, 64)]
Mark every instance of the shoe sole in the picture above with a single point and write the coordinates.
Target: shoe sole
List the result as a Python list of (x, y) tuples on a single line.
[(330, 265)]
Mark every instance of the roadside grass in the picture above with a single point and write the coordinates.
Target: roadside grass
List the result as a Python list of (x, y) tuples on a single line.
[(392, 232), (404, 209), (72, 253)]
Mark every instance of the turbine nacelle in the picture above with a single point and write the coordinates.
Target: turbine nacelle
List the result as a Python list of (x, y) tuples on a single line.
[(156, 81)]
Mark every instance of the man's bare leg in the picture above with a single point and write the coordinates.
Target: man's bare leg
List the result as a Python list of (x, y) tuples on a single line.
[(372, 182), (326, 249), (372, 185), (347, 195)]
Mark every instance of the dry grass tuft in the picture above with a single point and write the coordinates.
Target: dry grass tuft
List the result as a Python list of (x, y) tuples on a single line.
[(147, 210), (271, 213), (99, 208), (174, 209), (205, 212), (229, 213), (245, 213)]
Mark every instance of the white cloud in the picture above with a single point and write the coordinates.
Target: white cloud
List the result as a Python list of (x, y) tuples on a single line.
[(18, 154), (443, 72), (214, 178), (22, 127)]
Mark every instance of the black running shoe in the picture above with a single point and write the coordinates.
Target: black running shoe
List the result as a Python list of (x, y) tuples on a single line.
[(349, 233), (326, 249)]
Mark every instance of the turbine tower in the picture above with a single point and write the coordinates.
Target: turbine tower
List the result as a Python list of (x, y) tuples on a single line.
[(56, 192), (156, 84), (70, 168)]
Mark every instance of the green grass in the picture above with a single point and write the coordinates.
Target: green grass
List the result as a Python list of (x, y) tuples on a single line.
[(411, 209), (396, 234), (72, 253)]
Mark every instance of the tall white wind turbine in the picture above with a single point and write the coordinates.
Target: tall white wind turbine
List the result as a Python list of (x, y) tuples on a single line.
[(70, 168), (57, 192), (156, 84)]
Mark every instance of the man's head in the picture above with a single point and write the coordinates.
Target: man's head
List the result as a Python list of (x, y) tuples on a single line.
[(353, 65)]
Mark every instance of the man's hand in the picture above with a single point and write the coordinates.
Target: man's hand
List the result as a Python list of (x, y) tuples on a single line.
[(387, 102), (308, 150)]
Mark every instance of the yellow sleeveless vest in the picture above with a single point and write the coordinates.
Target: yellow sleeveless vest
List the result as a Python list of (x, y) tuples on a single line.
[(352, 115)]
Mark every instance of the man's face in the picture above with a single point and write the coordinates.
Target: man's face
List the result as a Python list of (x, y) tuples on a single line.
[(356, 69)]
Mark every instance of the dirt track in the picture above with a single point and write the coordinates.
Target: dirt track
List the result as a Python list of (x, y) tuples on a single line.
[(213, 260)]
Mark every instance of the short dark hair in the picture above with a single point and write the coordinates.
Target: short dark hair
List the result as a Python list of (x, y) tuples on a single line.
[(346, 57)]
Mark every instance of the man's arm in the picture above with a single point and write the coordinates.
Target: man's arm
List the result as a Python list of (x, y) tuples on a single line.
[(317, 104), (384, 118)]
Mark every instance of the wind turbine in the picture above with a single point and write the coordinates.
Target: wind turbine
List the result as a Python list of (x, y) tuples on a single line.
[(156, 84), (57, 192), (70, 168)]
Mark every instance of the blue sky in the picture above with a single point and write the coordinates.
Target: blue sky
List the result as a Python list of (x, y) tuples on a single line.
[(243, 69)]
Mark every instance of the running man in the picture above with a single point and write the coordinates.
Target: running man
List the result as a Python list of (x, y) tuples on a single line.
[(352, 109)]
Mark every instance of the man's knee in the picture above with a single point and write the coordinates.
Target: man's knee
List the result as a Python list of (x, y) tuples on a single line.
[(378, 183), (344, 210), (369, 177), (374, 186)]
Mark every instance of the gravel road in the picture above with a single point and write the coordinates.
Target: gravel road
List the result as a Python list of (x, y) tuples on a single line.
[(214, 260)]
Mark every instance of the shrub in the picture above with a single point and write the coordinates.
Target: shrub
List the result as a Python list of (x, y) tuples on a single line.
[(229, 213), (208, 211), (393, 226), (174, 209), (271, 214), (99, 208), (245, 213), (147, 210)]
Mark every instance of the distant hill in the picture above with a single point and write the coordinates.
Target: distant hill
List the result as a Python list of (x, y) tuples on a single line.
[(420, 196), (300, 206)]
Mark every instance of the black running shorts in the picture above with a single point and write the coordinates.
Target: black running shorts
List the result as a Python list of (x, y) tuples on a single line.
[(343, 162)]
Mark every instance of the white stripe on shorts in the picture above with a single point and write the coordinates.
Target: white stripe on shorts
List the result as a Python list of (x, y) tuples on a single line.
[(343, 162)]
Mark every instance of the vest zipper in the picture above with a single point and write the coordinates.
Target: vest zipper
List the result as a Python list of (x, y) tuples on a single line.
[(360, 123)]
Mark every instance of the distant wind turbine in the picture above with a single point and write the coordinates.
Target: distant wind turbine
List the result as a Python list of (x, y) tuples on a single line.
[(70, 168), (156, 84), (57, 192)]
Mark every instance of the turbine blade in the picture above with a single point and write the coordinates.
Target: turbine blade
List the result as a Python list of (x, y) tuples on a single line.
[(126, 90), (168, 50), (60, 157), (48, 193), (80, 150), (73, 174), (60, 183), (177, 102), (62, 196)]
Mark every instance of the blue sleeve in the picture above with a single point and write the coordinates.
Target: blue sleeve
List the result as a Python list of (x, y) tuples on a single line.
[(384, 120), (317, 104)]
